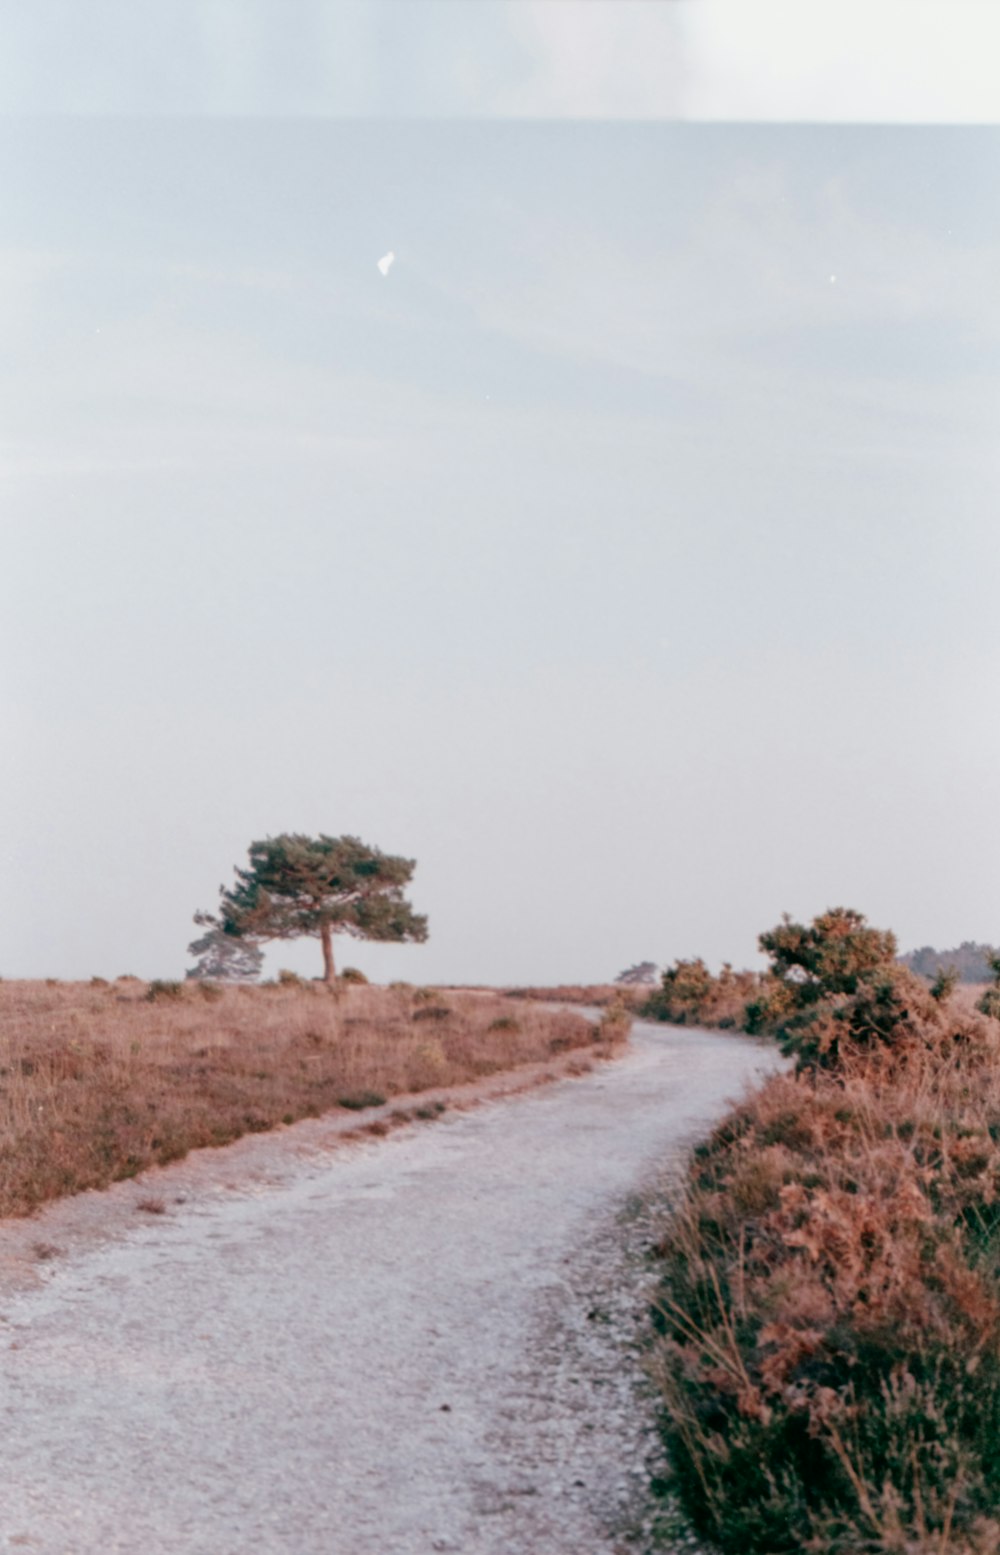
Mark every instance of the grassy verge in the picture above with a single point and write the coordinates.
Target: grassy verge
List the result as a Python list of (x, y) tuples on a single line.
[(99, 1081), (829, 1305)]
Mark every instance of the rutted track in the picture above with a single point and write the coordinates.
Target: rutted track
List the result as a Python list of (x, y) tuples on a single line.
[(422, 1343)]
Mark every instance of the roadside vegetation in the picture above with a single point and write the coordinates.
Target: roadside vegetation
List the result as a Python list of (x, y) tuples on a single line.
[(100, 1080), (828, 1306), (690, 995)]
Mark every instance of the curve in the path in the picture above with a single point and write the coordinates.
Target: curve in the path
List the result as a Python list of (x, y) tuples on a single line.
[(394, 1352)]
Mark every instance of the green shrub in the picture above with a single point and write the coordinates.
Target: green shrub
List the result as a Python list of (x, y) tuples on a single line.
[(351, 974), (989, 1004), (944, 984), (356, 1101)]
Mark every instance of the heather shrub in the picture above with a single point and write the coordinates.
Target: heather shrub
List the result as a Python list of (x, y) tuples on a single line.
[(829, 1305)]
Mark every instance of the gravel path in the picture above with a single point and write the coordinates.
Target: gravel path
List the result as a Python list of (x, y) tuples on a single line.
[(426, 1342)]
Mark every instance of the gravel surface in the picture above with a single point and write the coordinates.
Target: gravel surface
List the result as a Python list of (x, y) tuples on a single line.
[(428, 1342)]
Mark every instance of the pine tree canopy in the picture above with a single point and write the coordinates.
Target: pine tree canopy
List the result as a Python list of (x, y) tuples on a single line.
[(319, 886)]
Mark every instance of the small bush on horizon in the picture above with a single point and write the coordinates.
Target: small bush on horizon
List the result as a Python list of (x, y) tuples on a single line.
[(642, 975), (162, 988), (353, 974)]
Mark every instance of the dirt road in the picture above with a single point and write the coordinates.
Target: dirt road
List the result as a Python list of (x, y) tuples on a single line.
[(421, 1343)]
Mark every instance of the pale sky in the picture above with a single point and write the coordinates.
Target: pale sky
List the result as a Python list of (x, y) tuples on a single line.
[(876, 61), (627, 555)]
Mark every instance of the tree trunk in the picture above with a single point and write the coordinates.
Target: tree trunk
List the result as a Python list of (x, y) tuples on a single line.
[(326, 934)]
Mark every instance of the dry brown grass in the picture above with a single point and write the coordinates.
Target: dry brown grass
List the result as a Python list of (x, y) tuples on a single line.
[(598, 994), (98, 1082)]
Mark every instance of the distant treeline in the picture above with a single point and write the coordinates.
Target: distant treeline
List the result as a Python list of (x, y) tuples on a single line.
[(970, 961)]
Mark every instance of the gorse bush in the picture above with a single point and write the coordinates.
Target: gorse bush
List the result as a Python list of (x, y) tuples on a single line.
[(829, 1308), (689, 995), (831, 983)]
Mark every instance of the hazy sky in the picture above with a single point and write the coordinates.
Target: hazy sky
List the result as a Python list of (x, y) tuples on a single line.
[(881, 61), (627, 555)]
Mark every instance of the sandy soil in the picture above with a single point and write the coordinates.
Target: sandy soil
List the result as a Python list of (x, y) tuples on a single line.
[(428, 1342)]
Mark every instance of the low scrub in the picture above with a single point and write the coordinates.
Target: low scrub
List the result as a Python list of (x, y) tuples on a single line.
[(595, 994), (98, 1082), (690, 995), (829, 1303)]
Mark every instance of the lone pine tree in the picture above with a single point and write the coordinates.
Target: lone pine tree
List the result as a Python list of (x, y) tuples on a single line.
[(299, 886)]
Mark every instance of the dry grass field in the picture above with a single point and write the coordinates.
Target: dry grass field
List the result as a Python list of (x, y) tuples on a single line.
[(598, 994), (99, 1081)]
